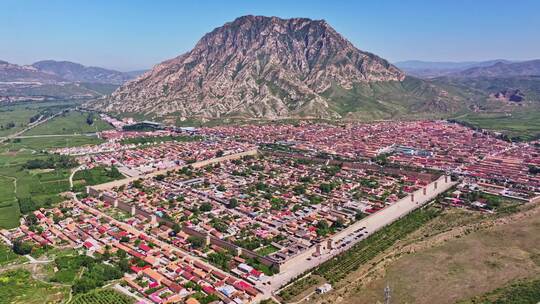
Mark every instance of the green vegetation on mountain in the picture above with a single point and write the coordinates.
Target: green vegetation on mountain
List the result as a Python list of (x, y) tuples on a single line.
[(410, 98), (478, 89)]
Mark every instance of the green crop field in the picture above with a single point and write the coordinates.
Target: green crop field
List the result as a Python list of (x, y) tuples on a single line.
[(70, 123), (9, 207), (33, 188), (522, 124), (94, 176), (18, 287), (15, 117), (102, 296), (45, 143), (23, 190), (7, 256)]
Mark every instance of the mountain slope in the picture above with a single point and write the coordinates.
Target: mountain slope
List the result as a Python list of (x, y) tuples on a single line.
[(50, 80), (17, 73), (74, 72), (267, 67), (501, 69)]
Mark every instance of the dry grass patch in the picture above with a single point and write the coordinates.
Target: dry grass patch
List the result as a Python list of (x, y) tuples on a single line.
[(447, 261)]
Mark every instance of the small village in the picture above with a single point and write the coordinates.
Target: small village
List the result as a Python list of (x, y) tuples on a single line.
[(216, 214)]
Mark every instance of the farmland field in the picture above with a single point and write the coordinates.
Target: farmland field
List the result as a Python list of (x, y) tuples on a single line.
[(95, 176), (18, 287), (16, 117), (70, 123), (9, 215), (7, 255), (525, 125), (44, 143), (9, 208), (102, 296), (34, 188)]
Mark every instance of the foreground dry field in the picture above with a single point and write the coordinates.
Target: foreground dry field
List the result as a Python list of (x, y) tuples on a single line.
[(457, 256)]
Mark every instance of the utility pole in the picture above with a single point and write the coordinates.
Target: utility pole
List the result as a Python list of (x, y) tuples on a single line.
[(387, 295)]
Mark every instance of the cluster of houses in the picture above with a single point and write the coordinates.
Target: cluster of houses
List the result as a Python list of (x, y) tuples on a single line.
[(269, 207), (165, 273), (132, 159), (218, 228), (438, 145)]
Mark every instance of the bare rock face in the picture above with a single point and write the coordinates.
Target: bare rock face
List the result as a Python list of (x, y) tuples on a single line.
[(254, 67)]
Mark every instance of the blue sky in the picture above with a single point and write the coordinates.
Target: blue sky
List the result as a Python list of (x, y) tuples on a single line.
[(137, 34)]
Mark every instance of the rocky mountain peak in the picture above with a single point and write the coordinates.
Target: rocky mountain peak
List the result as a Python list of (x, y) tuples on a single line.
[(255, 66)]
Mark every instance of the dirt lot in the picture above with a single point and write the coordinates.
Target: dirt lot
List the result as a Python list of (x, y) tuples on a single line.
[(457, 256)]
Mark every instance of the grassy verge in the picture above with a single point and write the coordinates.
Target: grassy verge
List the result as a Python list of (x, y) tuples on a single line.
[(267, 250), (301, 288)]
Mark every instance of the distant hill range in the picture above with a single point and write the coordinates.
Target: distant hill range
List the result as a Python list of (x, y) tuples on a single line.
[(494, 85), (75, 72), (49, 79), (432, 69), (267, 67), (502, 69)]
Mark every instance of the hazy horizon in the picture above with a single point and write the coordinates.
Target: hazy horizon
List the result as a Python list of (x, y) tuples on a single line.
[(135, 35)]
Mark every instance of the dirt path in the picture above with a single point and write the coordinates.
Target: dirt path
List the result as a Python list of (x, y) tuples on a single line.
[(73, 174)]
